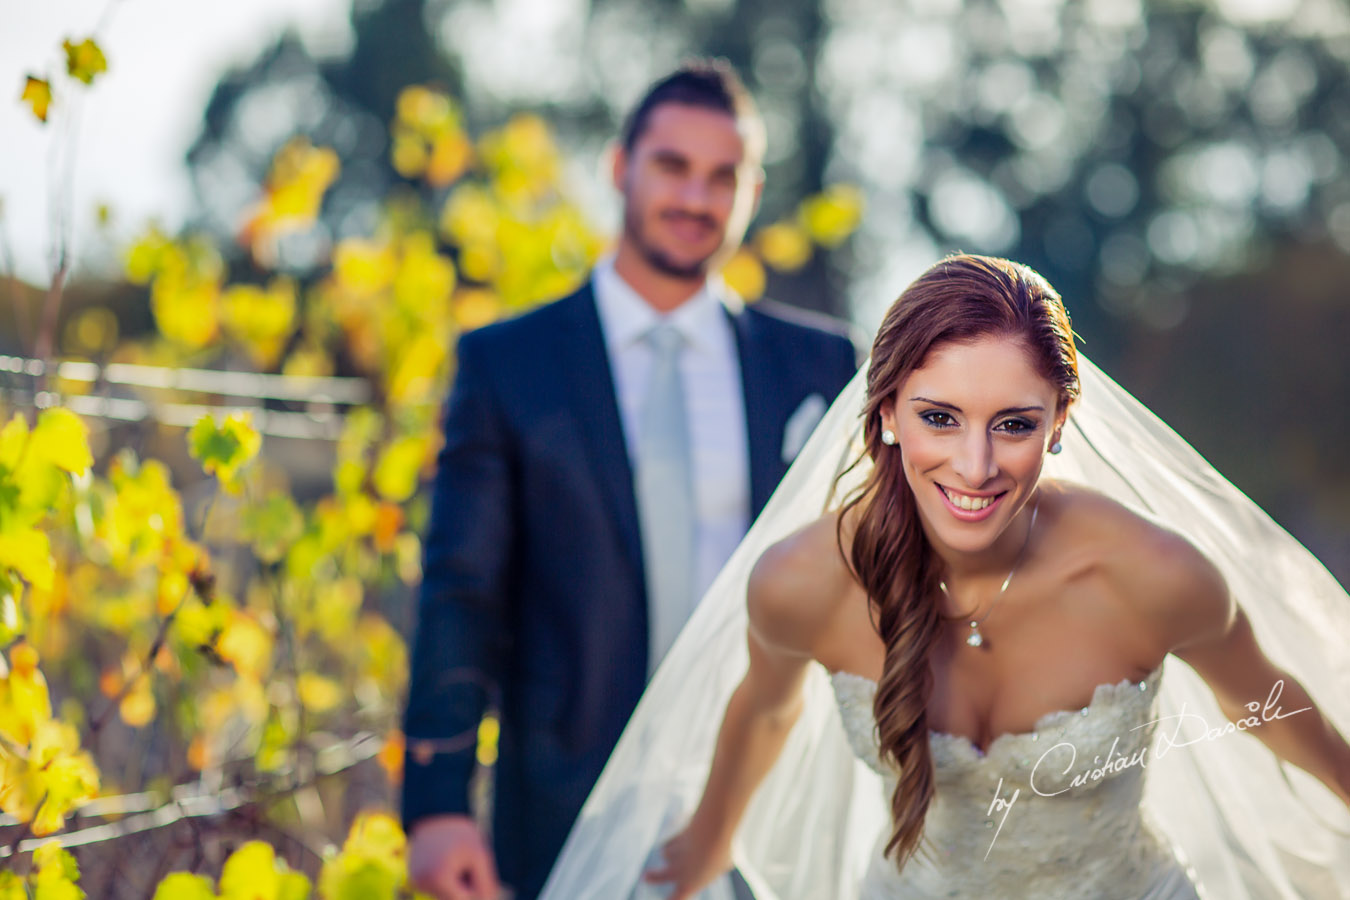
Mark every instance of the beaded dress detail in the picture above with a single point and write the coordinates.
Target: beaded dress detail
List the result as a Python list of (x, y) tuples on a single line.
[(1074, 828)]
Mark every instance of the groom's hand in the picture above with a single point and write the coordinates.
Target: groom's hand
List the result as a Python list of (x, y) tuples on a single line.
[(448, 859)]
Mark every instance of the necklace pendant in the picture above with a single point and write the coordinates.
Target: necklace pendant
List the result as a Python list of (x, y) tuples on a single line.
[(975, 639)]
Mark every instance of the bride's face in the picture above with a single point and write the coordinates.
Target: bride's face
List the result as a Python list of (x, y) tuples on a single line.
[(973, 425)]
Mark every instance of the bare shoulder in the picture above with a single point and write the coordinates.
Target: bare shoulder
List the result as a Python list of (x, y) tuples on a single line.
[(797, 587), (1179, 594)]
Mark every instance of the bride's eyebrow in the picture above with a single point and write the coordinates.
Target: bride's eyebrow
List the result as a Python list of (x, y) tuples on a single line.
[(956, 409)]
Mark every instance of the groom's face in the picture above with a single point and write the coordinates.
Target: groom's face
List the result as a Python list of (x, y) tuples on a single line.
[(688, 189)]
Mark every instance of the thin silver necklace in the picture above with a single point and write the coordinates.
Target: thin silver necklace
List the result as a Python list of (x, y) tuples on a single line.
[(975, 639)]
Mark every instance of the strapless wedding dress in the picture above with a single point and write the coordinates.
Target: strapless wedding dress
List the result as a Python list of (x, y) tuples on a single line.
[(1067, 822)]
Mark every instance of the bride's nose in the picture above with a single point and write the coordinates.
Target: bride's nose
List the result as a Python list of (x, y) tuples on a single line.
[(974, 459)]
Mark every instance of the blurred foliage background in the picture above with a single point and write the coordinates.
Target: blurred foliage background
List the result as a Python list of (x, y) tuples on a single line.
[(1176, 168), (226, 596)]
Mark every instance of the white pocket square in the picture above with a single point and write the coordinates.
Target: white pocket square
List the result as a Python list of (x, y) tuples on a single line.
[(800, 424)]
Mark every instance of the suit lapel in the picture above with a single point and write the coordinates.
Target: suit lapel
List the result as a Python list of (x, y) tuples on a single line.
[(758, 368), (584, 358)]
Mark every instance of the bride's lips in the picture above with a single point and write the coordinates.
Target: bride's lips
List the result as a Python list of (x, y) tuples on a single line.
[(971, 515)]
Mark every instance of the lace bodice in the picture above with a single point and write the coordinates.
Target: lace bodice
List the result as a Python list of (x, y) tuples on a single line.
[(1067, 821)]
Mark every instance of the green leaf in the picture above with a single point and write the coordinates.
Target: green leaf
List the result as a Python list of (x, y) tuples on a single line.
[(224, 447), (273, 526), (371, 865), (185, 886)]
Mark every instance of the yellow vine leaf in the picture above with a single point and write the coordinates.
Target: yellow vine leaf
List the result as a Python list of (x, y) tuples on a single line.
[(336, 606), (27, 551), (56, 875), (744, 274), (184, 886), (37, 93), (408, 154), (13, 441), (489, 732), (52, 777), (253, 872), (390, 756), (225, 447), (62, 438), (450, 156), (384, 655), (318, 693), (246, 645), (260, 320), (372, 862), (784, 245), (425, 278), (475, 307), (146, 256), (362, 266), (425, 110), (85, 60), (832, 215), (396, 474), (416, 374), (301, 174), (470, 215), (137, 708), (184, 302), (273, 525), (12, 886)]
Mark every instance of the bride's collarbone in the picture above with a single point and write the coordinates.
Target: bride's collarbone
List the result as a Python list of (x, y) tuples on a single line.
[(1010, 692), (1022, 675)]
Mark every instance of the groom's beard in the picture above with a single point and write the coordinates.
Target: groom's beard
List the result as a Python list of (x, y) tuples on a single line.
[(657, 258)]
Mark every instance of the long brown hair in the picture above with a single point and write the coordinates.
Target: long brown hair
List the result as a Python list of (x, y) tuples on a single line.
[(959, 299)]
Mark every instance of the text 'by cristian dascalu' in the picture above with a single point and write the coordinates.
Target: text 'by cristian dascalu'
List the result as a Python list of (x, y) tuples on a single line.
[(1114, 763)]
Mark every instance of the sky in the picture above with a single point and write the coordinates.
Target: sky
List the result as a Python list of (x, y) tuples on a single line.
[(137, 120)]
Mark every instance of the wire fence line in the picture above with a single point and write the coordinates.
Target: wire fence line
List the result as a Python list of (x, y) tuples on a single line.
[(324, 396), (207, 796)]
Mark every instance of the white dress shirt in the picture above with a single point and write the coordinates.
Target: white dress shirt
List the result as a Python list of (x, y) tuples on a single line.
[(711, 373)]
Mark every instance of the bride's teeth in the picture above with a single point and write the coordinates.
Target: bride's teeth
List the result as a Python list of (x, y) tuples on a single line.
[(969, 504)]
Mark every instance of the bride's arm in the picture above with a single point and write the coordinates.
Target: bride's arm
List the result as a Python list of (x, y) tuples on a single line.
[(786, 607), (1211, 633)]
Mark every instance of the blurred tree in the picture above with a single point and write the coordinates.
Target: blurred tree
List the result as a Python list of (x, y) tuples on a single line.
[(345, 104)]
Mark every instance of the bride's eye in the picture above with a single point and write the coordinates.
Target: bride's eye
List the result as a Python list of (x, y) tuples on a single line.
[(938, 419), (1016, 426)]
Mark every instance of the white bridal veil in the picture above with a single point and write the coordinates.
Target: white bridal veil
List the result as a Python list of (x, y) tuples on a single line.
[(1250, 827)]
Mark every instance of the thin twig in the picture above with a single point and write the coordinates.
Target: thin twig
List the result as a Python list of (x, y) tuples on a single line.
[(17, 301)]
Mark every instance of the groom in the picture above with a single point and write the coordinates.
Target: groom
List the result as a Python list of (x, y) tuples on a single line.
[(603, 456)]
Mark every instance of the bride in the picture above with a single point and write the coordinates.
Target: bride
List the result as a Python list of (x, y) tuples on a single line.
[(996, 644)]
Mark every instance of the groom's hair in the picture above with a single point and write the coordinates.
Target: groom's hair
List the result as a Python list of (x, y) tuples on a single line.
[(708, 84)]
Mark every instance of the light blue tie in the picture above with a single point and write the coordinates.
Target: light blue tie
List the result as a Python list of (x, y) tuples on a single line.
[(664, 481)]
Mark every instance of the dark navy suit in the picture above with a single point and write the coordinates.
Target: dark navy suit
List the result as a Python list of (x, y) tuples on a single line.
[(533, 579)]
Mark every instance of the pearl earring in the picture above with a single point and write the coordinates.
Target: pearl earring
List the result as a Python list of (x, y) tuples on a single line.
[(888, 438), (1056, 447)]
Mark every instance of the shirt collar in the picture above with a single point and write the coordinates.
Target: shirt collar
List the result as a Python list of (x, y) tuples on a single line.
[(627, 317)]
